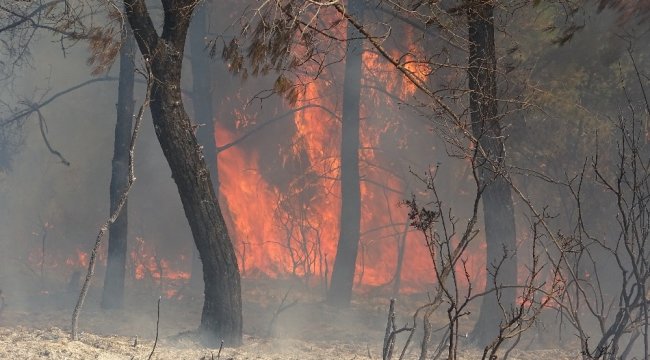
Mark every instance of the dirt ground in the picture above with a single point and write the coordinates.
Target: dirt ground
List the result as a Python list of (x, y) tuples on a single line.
[(37, 327)]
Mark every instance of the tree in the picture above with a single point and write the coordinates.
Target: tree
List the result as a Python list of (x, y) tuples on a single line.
[(481, 129), (498, 209), (202, 95), (221, 317), (340, 292), (113, 293)]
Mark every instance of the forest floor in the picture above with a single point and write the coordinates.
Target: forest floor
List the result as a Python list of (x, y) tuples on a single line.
[(37, 327)]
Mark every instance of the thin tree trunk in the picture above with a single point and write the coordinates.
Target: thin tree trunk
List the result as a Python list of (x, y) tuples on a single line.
[(221, 318), (498, 210), (340, 292), (113, 293)]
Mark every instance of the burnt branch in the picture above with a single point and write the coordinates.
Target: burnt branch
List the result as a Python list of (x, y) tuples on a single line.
[(153, 349), (74, 333), (43, 127), (617, 303), (281, 307), (29, 17), (32, 107)]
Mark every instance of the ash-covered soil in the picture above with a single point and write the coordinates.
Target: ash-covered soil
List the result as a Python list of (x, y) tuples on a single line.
[(53, 343), (35, 325)]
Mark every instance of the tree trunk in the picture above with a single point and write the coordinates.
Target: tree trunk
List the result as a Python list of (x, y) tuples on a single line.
[(203, 111), (221, 318), (340, 292), (498, 210), (113, 293)]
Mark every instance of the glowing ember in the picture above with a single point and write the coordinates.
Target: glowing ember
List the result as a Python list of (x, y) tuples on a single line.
[(147, 263), (169, 274)]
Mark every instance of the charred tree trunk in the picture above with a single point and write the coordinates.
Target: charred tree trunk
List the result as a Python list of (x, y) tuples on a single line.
[(340, 292), (113, 293), (221, 318), (498, 210), (203, 110)]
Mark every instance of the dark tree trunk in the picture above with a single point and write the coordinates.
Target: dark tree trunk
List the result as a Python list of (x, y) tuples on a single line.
[(340, 292), (221, 318), (203, 110), (113, 293), (498, 210)]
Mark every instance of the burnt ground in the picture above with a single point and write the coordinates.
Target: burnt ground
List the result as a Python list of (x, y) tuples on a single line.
[(36, 326)]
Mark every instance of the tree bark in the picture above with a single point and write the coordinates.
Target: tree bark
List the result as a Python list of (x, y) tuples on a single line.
[(113, 293), (498, 209), (203, 111), (340, 292), (221, 318)]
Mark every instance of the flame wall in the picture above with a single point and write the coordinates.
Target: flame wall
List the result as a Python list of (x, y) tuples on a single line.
[(294, 229)]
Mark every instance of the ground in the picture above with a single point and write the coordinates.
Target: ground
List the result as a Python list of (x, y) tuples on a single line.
[(38, 327)]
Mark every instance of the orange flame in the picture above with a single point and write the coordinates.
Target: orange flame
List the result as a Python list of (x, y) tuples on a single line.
[(295, 231)]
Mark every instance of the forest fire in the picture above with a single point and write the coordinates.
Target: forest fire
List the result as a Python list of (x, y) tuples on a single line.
[(145, 262), (167, 274), (57, 260), (80, 261), (407, 178), (294, 231)]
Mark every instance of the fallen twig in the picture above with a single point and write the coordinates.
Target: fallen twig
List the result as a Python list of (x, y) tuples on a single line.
[(282, 307), (219, 353), (157, 327)]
